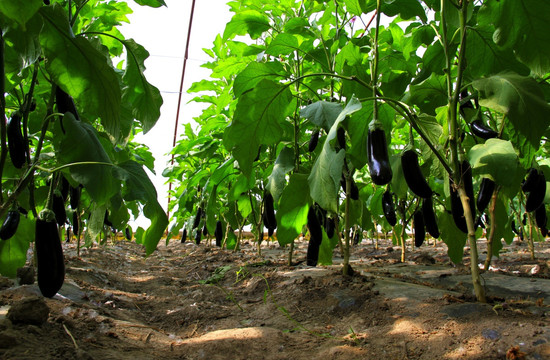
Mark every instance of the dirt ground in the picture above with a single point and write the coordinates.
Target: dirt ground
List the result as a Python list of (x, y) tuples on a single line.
[(190, 301)]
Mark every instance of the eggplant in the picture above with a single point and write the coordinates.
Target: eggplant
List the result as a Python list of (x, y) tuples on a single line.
[(378, 158), (430, 221), (49, 255), (419, 229), (481, 130), (486, 189), (269, 220), (540, 216), (330, 226), (218, 233), (413, 175), (315, 239), (197, 219), (388, 208), (313, 140), (65, 103), (16, 143), (536, 196), (10, 225)]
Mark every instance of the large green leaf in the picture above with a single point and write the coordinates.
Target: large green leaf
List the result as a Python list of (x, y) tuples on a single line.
[(254, 73), (20, 11), (80, 69), (520, 99), (283, 164), (286, 44), (13, 252), (324, 179), (22, 48), (145, 99), (80, 143), (250, 22), (139, 187), (429, 94), (487, 58), (521, 26), (497, 160), (452, 237), (258, 119), (322, 113), (293, 208)]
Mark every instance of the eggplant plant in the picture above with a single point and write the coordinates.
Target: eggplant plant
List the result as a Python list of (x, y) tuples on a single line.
[(69, 116), (456, 79)]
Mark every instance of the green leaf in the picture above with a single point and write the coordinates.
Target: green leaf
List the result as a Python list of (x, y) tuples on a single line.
[(521, 26), (324, 179), (452, 236), (254, 73), (94, 225), (359, 7), (13, 252), (497, 160), (406, 9), (22, 47), (488, 58), (20, 11), (322, 113), (145, 99), (80, 143), (520, 99), (429, 94), (283, 164), (151, 3), (398, 183), (244, 205), (283, 44), (293, 208), (326, 248), (503, 226), (250, 22), (80, 69), (139, 187), (258, 119), (212, 210), (350, 54)]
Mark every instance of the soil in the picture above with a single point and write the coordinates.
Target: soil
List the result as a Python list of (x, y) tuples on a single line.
[(189, 301)]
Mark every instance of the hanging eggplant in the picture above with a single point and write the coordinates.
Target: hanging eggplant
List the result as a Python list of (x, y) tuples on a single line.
[(413, 175), (378, 158)]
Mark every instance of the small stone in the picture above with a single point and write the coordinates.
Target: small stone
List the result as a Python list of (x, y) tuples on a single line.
[(32, 310), (25, 275), (490, 334)]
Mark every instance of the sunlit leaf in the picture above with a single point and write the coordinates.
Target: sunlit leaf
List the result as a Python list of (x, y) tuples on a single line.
[(80, 69), (293, 208), (258, 120)]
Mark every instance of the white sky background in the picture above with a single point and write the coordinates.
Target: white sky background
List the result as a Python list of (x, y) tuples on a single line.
[(163, 33)]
